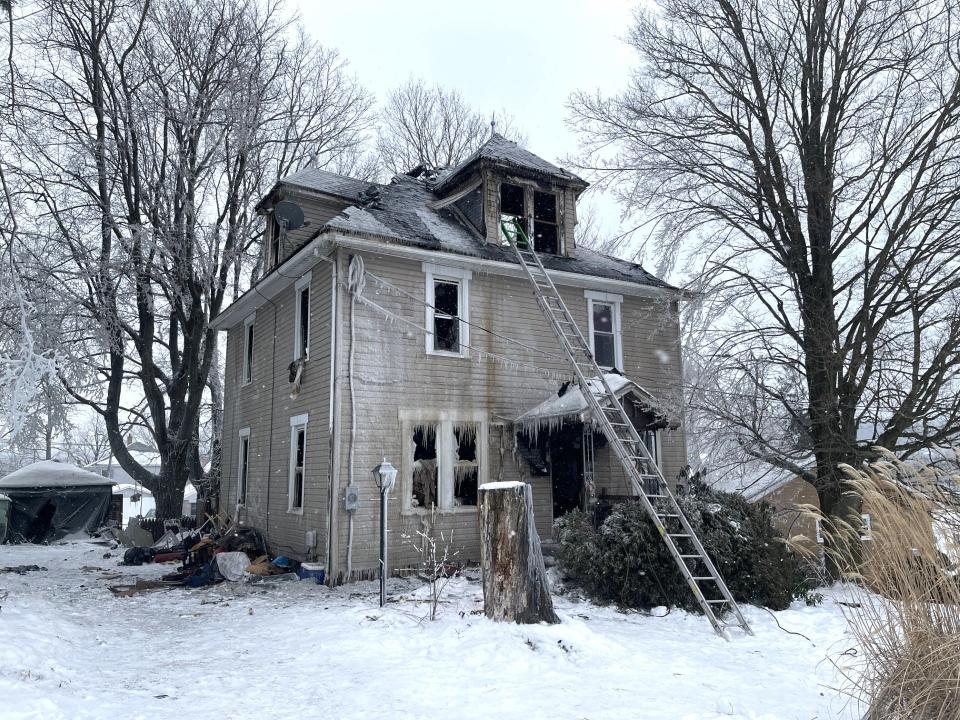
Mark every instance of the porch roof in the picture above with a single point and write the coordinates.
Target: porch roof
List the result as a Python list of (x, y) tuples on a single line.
[(572, 406)]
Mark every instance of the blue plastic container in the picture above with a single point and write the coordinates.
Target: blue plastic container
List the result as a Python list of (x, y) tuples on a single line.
[(312, 571)]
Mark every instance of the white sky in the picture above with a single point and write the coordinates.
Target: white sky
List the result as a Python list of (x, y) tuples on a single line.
[(523, 56)]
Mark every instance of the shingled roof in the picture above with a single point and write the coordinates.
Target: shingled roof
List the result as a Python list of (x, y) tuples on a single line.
[(403, 213), (507, 154), (328, 183)]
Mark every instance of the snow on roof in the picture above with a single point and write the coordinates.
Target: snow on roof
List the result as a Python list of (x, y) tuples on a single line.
[(49, 473), (324, 181), (573, 406), (403, 213), (501, 485), (501, 151), (129, 489)]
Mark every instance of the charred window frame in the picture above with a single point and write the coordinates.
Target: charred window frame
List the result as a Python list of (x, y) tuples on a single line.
[(605, 328), (301, 320), (444, 460), (275, 236), (512, 207), (447, 310), (425, 477), (546, 223), (298, 457), (246, 376), (243, 466)]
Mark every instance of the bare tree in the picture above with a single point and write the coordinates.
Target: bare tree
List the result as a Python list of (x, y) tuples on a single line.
[(801, 159), (150, 131), (428, 125)]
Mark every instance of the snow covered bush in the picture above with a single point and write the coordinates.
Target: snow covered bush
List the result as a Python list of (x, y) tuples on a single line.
[(626, 562)]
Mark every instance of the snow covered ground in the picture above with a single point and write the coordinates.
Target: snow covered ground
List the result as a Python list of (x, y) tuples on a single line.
[(70, 649)]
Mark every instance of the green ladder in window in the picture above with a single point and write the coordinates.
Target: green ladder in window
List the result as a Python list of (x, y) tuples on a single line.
[(708, 587)]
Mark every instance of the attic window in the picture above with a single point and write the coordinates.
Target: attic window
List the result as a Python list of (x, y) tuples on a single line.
[(425, 469), (546, 237), (511, 204), (466, 467)]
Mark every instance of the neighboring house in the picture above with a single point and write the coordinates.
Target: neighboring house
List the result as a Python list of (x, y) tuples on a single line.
[(330, 369), (137, 500)]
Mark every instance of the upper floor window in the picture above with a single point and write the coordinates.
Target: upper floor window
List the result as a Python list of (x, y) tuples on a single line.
[(275, 236), (512, 206), (301, 328), (603, 318), (247, 372), (448, 304)]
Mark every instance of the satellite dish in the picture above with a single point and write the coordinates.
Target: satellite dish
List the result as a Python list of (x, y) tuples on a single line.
[(289, 215)]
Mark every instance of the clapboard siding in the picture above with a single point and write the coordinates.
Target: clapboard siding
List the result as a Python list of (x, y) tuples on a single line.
[(393, 373), (265, 406)]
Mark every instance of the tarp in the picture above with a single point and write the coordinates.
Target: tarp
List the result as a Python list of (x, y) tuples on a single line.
[(50, 500)]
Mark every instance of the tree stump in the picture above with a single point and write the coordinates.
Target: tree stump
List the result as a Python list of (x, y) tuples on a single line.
[(514, 577)]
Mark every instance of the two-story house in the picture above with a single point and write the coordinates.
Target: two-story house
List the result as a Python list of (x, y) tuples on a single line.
[(395, 323)]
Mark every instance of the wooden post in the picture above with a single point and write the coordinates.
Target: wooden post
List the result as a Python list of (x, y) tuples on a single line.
[(514, 578)]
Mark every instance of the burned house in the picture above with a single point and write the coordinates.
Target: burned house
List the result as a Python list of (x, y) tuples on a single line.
[(392, 321)]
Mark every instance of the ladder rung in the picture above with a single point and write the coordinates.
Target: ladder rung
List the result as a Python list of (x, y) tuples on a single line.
[(678, 534), (664, 515), (687, 557), (716, 602), (705, 577)]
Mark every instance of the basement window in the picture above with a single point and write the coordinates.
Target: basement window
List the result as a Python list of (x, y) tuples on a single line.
[(466, 466), (546, 236), (426, 478)]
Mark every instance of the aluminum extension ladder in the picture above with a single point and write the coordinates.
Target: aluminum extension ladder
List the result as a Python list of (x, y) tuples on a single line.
[(657, 499)]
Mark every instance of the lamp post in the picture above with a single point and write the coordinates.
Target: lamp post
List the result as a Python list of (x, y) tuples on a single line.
[(385, 475)]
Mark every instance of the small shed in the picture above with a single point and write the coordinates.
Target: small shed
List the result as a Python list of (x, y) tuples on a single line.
[(51, 500)]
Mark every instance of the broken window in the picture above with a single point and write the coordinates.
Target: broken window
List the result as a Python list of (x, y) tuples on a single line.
[(301, 334), (275, 236), (243, 467), (446, 315), (247, 375), (466, 465), (425, 485), (546, 237), (298, 451), (512, 205)]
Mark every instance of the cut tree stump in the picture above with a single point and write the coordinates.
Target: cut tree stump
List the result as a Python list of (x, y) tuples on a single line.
[(514, 578)]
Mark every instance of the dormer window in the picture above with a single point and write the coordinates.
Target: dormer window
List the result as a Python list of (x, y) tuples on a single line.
[(526, 204), (512, 206)]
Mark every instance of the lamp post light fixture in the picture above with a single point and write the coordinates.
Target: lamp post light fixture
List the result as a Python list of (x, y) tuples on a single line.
[(385, 475)]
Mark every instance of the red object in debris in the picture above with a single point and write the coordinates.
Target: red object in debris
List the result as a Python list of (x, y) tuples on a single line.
[(170, 556)]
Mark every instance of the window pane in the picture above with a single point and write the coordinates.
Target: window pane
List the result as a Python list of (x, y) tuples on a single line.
[(244, 464), (248, 357), (466, 470), (298, 489), (602, 317), (304, 321), (603, 350), (301, 446), (446, 297), (424, 467), (545, 238), (511, 200), (446, 334), (545, 207)]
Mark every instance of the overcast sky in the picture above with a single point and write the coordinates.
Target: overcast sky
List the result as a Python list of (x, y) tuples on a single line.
[(524, 56)]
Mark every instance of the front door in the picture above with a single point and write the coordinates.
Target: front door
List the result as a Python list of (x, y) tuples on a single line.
[(566, 469)]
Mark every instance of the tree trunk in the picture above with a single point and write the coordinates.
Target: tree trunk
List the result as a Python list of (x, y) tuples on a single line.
[(514, 577)]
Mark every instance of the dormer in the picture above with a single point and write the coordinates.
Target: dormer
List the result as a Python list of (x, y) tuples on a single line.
[(501, 181)]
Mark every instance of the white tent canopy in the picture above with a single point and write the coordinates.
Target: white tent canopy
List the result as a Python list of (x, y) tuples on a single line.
[(49, 473)]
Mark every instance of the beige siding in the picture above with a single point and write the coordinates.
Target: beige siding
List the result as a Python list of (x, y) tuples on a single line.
[(265, 406), (393, 373), (316, 209)]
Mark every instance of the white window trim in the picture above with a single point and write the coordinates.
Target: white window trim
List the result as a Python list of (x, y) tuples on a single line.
[(244, 435), (462, 277), (616, 302), (445, 458), (303, 282), (296, 423), (246, 368), (866, 533)]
